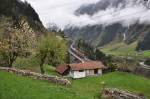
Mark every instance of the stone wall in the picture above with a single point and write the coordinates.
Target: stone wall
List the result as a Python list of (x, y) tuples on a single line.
[(26, 73), (109, 93), (140, 70)]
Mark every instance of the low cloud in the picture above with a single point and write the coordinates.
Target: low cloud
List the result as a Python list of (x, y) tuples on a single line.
[(61, 12), (134, 11)]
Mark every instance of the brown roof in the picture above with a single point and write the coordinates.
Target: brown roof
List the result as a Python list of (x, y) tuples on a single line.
[(87, 65), (61, 68), (80, 66)]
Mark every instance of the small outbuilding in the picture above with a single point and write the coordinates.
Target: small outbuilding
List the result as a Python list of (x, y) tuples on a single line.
[(80, 70)]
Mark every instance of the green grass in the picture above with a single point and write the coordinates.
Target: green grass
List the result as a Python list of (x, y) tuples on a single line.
[(91, 86), (119, 48), (147, 53), (122, 49), (14, 87), (31, 63), (50, 70)]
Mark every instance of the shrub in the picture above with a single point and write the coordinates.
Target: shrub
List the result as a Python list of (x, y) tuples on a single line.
[(30, 63), (147, 62)]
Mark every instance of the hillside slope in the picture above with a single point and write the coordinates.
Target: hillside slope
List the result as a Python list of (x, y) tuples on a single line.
[(20, 28), (13, 87), (18, 11), (87, 88)]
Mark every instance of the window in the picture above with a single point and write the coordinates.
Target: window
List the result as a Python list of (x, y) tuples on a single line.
[(81, 70), (95, 71)]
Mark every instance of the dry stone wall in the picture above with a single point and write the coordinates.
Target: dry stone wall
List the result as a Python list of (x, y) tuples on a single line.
[(109, 93), (27, 73)]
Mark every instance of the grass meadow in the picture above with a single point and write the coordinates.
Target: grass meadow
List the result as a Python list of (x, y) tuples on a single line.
[(16, 87)]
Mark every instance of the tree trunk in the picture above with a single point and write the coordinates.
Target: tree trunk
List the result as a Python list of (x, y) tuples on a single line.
[(41, 64), (10, 64), (41, 68), (12, 57)]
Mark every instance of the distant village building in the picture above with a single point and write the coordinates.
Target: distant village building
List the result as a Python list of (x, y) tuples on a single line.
[(80, 70)]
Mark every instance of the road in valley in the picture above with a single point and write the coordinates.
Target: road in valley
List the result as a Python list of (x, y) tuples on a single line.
[(77, 54)]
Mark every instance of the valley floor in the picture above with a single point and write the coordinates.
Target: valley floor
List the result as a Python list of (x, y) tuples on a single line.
[(15, 87)]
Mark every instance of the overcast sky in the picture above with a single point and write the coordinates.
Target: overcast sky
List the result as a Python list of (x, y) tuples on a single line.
[(61, 12), (58, 11)]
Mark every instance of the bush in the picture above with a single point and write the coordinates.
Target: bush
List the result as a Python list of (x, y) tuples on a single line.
[(147, 62), (30, 63)]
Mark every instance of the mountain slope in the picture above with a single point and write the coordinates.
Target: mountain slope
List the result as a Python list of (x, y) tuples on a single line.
[(91, 9), (99, 35), (145, 43), (18, 10)]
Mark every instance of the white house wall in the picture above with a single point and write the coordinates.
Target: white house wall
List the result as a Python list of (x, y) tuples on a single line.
[(91, 72), (71, 73), (77, 74), (99, 71)]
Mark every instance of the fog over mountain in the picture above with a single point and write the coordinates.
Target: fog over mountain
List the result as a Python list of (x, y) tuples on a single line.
[(99, 22), (60, 12), (107, 12), (85, 12), (113, 20)]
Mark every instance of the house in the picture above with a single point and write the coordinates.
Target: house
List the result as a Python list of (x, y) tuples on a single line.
[(80, 70)]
